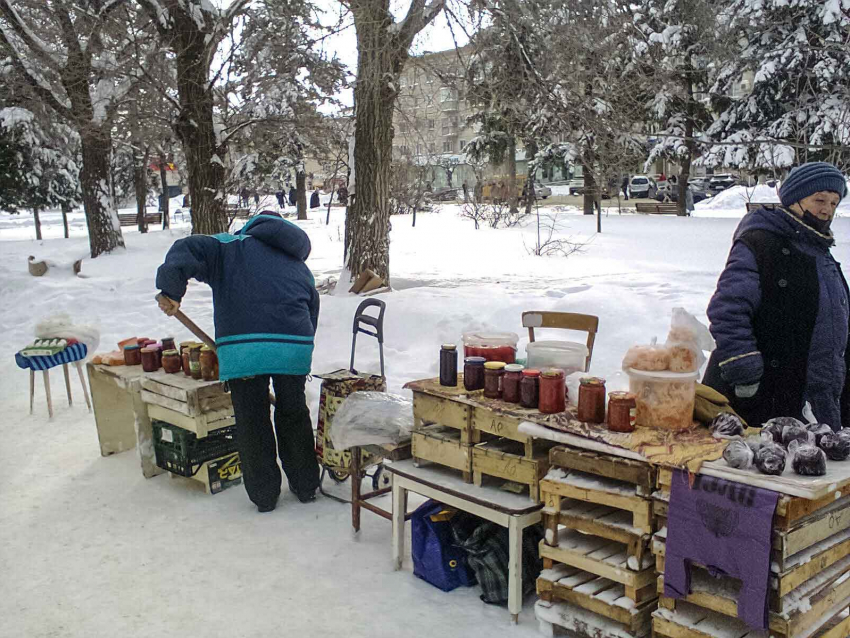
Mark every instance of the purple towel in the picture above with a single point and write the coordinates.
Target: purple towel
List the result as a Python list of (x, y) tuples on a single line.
[(726, 527)]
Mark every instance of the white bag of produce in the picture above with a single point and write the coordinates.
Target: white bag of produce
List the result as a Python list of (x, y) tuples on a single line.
[(372, 418)]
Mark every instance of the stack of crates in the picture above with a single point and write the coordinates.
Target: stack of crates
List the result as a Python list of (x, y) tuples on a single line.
[(212, 460)]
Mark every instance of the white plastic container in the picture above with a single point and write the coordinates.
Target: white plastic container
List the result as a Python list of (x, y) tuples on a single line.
[(665, 400), (570, 356)]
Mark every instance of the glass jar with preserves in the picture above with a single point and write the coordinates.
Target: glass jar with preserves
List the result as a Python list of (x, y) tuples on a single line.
[(529, 389), (622, 408), (448, 364), (553, 391), (132, 355), (171, 362), (511, 381), (195, 360), (209, 364), (168, 344), (591, 400), (493, 371), (184, 356), (150, 360), (473, 373)]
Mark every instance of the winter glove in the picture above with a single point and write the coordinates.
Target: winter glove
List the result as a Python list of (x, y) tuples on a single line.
[(708, 403), (167, 305), (746, 391)]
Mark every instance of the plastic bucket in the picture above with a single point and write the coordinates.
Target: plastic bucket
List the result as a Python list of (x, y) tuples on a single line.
[(665, 400), (570, 356)]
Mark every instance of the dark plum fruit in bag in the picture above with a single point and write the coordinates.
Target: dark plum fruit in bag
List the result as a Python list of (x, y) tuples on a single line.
[(835, 446), (770, 459), (809, 461), (726, 424), (738, 454), (819, 430)]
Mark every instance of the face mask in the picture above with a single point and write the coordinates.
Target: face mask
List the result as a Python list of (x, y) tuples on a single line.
[(820, 225)]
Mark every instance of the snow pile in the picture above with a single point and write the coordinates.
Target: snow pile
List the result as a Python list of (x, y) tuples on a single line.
[(736, 197)]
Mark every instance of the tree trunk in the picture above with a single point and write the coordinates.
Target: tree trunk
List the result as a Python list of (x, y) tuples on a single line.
[(140, 184), (682, 208), (512, 194), (301, 194), (195, 129), (37, 221), (589, 197), (101, 217), (66, 208), (164, 203), (530, 154)]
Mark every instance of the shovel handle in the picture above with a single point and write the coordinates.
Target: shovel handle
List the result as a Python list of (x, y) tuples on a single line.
[(193, 327)]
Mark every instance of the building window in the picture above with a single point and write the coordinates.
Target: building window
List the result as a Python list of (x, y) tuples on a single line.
[(448, 146), (432, 124), (419, 149), (462, 145), (432, 147)]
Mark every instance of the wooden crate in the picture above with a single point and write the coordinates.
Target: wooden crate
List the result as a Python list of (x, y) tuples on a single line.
[(566, 619), (643, 475), (197, 406), (507, 459), (605, 558), (443, 445), (601, 596), (600, 490), (428, 409), (677, 619)]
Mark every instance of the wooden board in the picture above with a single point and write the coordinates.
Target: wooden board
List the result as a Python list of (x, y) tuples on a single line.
[(598, 556), (812, 530), (184, 394), (596, 594), (498, 424), (506, 459), (810, 487), (431, 409), (564, 618), (613, 467), (201, 425), (442, 445)]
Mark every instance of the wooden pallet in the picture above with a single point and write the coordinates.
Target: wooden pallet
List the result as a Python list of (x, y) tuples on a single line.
[(808, 577), (600, 490), (442, 445), (509, 460), (690, 621), (194, 405), (599, 595), (428, 409), (563, 618), (605, 558), (643, 475)]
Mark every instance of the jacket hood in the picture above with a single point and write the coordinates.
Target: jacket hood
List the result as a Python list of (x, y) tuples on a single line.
[(280, 234), (784, 223)]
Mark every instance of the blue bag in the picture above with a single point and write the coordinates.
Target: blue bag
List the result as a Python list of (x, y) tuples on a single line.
[(437, 559)]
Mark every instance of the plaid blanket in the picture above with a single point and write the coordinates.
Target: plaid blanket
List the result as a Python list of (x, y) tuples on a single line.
[(75, 352)]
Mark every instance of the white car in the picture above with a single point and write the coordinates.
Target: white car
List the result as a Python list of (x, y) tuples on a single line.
[(541, 191), (642, 186)]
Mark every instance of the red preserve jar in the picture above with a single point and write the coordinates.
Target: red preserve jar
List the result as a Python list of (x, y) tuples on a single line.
[(171, 361), (529, 389), (511, 381), (132, 355), (493, 371), (622, 407), (150, 359), (553, 391), (591, 400)]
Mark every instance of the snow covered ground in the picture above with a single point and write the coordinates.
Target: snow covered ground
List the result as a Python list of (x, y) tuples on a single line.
[(90, 548)]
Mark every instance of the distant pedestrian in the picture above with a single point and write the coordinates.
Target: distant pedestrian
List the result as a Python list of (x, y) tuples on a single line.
[(281, 199), (293, 196), (342, 195), (625, 187), (256, 198), (243, 197), (465, 191), (689, 199), (314, 199)]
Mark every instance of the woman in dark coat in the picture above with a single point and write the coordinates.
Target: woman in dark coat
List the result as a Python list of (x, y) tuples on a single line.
[(780, 313), (314, 199)]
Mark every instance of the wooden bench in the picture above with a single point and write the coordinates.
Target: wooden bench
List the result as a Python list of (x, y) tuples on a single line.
[(131, 219), (235, 212), (751, 206), (657, 208)]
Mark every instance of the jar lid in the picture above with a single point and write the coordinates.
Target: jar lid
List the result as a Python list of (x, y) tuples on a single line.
[(170, 353), (167, 338), (552, 373), (449, 346), (622, 396), (475, 361), (206, 349), (530, 372), (134, 346), (149, 349), (196, 345), (514, 367), (494, 365), (592, 381)]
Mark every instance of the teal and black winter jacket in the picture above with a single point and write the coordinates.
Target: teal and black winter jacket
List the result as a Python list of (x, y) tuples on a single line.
[(265, 303)]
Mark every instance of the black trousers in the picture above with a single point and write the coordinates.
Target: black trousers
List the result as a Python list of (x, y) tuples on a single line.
[(255, 439)]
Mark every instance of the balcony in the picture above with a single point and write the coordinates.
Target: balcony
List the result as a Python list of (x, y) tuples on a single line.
[(450, 131)]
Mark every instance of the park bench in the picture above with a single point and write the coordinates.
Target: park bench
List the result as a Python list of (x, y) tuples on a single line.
[(131, 219), (751, 206), (657, 208)]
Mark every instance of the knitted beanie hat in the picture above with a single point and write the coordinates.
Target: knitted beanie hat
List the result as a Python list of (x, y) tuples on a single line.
[(811, 178)]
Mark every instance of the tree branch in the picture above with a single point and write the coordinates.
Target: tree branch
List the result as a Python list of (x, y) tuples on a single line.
[(420, 14)]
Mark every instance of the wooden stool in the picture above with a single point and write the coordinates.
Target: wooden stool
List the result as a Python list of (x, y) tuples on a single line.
[(72, 354)]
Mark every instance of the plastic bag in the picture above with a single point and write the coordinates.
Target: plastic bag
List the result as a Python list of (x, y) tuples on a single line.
[(367, 418), (649, 358), (807, 460), (573, 381), (837, 448), (738, 454), (726, 426), (686, 341), (437, 559)]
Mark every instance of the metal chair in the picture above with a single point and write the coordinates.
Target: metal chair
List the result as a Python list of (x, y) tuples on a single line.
[(375, 322), (532, 319)]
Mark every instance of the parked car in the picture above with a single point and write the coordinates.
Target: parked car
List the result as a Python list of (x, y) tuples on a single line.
[(721, 182), (642, 186), (542, 191), (670, 193), (576, 185)]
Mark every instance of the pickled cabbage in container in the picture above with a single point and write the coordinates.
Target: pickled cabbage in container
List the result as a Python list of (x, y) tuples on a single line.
[(665, 400)]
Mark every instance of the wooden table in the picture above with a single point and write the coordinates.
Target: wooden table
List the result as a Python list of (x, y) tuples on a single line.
[(509, 510)]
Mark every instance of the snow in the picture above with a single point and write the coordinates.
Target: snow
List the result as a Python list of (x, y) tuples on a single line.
[(591, 482), (90, 547)]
